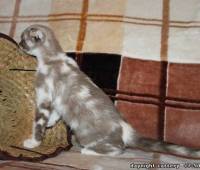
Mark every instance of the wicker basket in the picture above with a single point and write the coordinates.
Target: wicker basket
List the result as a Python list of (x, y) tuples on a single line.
[(17, 95)]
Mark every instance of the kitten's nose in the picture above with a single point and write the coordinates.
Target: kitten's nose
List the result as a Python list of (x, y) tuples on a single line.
[(21, 44)]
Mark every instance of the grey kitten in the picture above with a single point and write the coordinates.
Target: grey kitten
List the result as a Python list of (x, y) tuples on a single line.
[(65, 92)]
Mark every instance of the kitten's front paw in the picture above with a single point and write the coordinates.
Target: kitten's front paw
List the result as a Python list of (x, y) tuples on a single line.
[(50, 124), (31, 143)]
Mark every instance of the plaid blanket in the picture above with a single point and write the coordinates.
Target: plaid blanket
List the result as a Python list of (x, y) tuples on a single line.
[(156, 30), (152, 48)]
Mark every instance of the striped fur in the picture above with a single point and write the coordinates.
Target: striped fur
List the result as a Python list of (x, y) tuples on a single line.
[(169, 148)]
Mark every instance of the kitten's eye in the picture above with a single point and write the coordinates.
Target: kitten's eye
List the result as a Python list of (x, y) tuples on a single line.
[(36, 38), (36, 35)]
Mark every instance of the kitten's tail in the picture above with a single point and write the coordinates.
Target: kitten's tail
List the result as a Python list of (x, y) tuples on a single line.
[(131, 139), (153, 145)]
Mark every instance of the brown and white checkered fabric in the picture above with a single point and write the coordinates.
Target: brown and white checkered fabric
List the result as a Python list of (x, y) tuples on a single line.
[(155, 29), (158, 86)]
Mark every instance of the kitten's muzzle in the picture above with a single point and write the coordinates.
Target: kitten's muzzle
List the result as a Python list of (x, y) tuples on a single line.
[(24, 46)]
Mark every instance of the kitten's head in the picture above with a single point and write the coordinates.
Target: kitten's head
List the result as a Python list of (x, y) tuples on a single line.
[(39, 40)]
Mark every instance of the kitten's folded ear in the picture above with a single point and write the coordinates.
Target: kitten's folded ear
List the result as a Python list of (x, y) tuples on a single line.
[(34, 32)]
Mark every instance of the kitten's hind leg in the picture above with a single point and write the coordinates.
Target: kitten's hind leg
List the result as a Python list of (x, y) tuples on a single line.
[(39, 125), (105, 151), (86, 151), (102, 149)]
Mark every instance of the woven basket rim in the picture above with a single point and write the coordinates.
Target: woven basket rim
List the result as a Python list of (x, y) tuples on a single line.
[(6, 154), (4, 36)]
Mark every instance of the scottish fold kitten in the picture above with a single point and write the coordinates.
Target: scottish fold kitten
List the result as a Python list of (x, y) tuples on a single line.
[(63, 91)]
